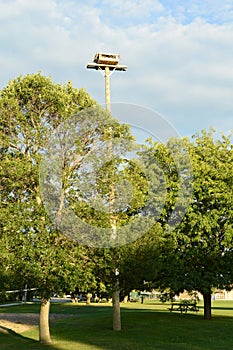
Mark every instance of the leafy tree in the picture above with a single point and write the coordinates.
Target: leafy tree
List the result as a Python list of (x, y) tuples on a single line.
[(95, 189), (39, 138), (31, 107), (140, 261), (199, 259)]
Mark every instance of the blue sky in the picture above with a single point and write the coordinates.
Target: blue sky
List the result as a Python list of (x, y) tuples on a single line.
[(179, 53)]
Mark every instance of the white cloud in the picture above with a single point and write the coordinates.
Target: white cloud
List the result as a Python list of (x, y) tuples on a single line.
[(178, 63)]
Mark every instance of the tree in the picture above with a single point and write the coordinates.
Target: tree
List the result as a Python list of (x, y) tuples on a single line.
[(140, 261), (49, 134), (199, 258), (85, 192), (31, 107)]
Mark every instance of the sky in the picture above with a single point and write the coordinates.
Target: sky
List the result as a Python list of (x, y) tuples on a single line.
[(179, 53)]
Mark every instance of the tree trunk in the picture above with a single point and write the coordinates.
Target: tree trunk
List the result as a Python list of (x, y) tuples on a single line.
[(44, 321), (126, 298), (88, 296), (116, 310), (207, 306)]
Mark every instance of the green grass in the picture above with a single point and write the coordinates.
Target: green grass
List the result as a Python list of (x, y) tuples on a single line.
[(147, 326)]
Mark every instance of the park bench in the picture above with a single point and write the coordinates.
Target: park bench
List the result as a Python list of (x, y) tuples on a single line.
[(184, 306)]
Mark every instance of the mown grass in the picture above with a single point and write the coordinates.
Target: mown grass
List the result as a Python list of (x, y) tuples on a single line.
[(147, 326)]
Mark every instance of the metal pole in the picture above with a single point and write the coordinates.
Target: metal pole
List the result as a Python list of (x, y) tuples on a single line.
[(107, 89)]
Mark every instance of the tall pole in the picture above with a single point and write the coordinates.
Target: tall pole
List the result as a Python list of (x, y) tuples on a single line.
[(112, 189), (107, 89), (116, 291), (110, 63)]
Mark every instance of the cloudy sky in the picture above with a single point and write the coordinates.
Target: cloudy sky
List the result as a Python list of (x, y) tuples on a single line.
[(179, 53)]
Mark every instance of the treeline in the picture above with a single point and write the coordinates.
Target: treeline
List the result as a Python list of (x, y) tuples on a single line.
[(162, 220)]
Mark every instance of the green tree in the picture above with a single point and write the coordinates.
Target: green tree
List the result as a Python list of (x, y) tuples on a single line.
[(201, 252), (140, 261), (47, 131), (31, 107), (86, 192)]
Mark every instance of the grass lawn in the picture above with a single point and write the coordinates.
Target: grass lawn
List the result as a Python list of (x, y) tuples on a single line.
[(147, 326)]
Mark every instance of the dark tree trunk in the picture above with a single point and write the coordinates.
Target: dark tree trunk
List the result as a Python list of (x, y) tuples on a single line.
[(207, 306), (116, 310)]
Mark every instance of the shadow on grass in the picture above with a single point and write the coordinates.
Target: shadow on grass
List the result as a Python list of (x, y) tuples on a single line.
[(221, 308), (11, 340), (143, 328)]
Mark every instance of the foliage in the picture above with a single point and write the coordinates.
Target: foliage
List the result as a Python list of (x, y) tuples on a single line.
[(33, 250), (202, 247)]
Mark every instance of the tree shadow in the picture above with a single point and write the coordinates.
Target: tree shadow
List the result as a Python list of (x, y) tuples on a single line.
[(90, 327), (10, 339), (143, 328), (221, 308)]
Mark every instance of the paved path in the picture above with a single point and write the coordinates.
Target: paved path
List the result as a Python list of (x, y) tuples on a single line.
[(12, 304)]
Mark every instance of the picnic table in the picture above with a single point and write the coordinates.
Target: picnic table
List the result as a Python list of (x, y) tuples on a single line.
[(184, 306)]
